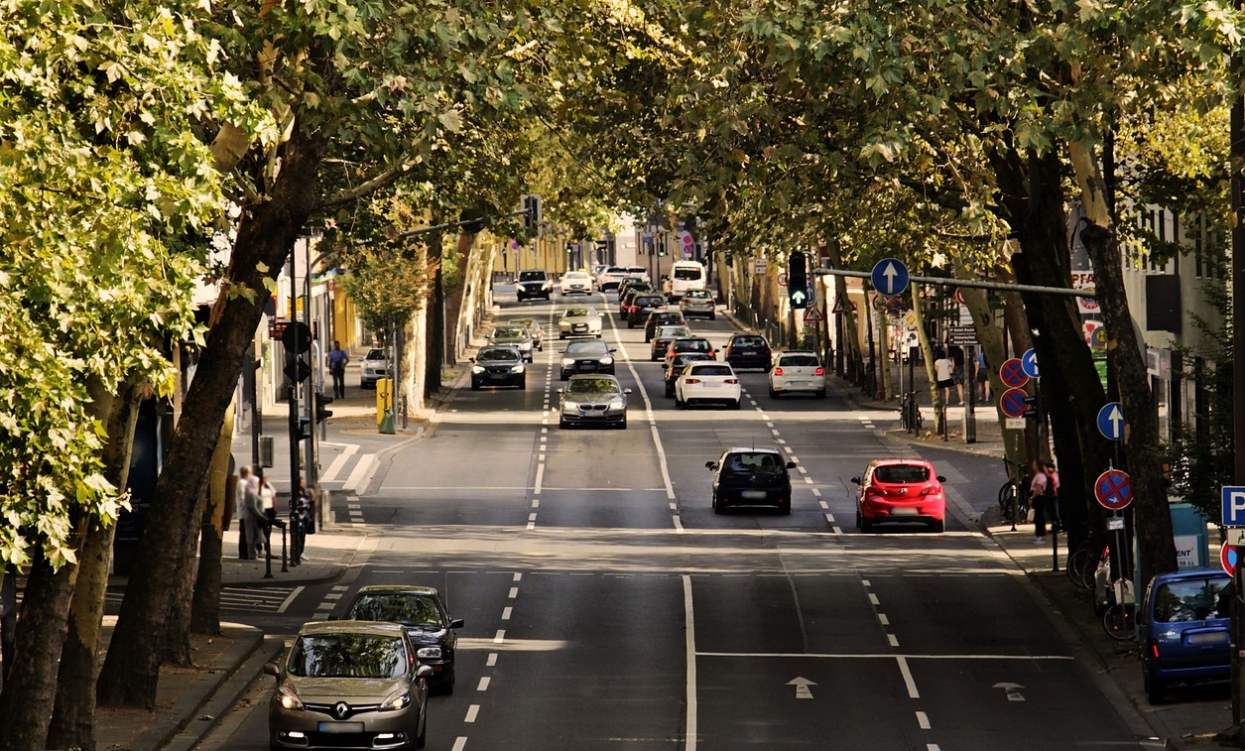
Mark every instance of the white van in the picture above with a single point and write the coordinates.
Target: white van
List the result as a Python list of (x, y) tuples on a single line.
[(685, 275)]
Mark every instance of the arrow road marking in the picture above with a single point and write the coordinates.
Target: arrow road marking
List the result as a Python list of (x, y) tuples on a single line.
[(801, 687), (1012, 689), (890, 273)]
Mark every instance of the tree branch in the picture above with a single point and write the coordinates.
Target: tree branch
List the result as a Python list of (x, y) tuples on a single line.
[(350, 195)]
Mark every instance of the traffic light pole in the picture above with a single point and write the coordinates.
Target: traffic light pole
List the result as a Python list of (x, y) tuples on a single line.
[(295, 427)]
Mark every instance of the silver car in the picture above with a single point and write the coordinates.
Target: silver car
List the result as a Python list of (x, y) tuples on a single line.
[(534, 328), (374, 367), (797, 371), (697, 302), (579, 322), (593, 400), (349, 684), (514, 336)]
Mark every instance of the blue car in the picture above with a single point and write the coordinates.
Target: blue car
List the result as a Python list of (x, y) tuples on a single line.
[(1185, 626)]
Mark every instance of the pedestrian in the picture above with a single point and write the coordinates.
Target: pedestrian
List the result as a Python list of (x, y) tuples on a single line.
[(306, 506), (254, 516), (246, 543), (268, 505), (942, 375), (957, 377), (983, 377), (337, 368), (1052, 497), (1037, 498)]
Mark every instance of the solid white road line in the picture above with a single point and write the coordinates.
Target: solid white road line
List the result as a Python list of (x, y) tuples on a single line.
[(290, 599), (689, 740), (907, 678), (540, 477), (362, 473), (648, 408)]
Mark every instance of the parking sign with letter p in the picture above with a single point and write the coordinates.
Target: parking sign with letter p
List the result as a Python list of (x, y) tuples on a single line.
[(1233, 506)]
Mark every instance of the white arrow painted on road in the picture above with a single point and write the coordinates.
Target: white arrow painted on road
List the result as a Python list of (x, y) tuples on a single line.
[(1115, 418), (801, 687), (890, 273), (1012, 689)]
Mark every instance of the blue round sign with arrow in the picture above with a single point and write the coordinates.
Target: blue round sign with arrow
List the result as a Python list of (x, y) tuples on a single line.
[(1113, 489), (1111, 421), (1029, 362), (889, 276)]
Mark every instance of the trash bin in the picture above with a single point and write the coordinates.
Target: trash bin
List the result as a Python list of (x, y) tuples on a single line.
[(384, 399)]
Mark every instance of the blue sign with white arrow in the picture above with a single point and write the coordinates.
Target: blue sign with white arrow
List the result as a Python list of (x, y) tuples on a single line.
[(1028, 361), (1111, 421), (889, 276)]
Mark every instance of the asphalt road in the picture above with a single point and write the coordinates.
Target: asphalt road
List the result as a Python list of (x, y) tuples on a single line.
[(607, 606)]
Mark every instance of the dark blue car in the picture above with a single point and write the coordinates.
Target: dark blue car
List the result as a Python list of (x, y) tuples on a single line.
[(1185, 627)]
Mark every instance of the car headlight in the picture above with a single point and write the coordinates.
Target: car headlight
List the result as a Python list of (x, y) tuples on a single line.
[(397, 700), (568, 362), (429, 653), (616, 407), (564, 325), (289, 697), (517, 369), (477, 369), (606, 360), (570, 406)]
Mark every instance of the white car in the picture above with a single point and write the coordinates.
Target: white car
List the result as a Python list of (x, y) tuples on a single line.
[(640, 272), (796, 371), (709, 381), (576, 283), (375, 366), (579, 322), (611, 278)]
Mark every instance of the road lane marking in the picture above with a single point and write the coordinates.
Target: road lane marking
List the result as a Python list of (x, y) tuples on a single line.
[(514, 592), (290, 599), (678, 524), (518, 577), (648, 408), (922, 720), (689, 723), (484, 681), (335, 468), (492, 660), (873, 599), (505, 616), (531, 517), (883, 619), (474, 710), (460, 743), (830, 518), (540, 477), (894, 640), (824, 505), (816, 492), (885, 656), (535, 503), (501, 636), (907, 678)]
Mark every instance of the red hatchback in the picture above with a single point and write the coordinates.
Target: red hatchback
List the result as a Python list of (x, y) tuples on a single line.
[(900, 490)]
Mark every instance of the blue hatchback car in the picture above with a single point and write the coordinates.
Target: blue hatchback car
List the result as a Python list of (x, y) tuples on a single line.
[(1185, 626)]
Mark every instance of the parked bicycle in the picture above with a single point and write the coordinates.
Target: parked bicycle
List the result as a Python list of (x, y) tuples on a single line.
[(910, 412), (1083, 564), (1120, 618), (1013, 495)]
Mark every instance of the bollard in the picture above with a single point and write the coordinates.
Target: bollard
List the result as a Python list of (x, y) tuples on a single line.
[(268, 554), (284, 568)]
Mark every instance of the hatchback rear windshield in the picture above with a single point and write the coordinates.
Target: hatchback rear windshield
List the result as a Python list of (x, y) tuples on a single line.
[(797, 361), (687, 274), (694, 293), (901, 473), (692, 345), (748, 341), (1193, 600), (648, 300), (637, 269), (531, 276), (758, 462), (713, 370)]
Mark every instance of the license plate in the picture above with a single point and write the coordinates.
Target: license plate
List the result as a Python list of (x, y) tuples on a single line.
[(1216, 637), (711, 385), (340, 727), (754, 495), (903, 511)]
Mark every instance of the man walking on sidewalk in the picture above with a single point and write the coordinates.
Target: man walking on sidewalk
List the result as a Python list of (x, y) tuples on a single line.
[(337, 368)]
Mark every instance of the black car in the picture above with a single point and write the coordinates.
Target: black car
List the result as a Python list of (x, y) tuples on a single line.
[(586, 356), (625, 294), (748, 351), (423, 614), (533, 284), (641, 306), (677, 363), (662, 318), (593, 400), (498, 366), (751, 477)]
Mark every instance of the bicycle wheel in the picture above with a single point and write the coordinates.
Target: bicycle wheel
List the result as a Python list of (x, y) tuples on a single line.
[(1118, 622), (1080, 568), (1007, 491)]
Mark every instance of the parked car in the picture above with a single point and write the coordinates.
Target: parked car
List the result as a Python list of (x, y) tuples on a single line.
[(707, 383), (533, 284), (514, 336), (422, 612), (349, 682), (641, 306), (575, 283), (498, 366), (797, 371), (900, 490), (375, 366), (751, 477), (690, 344), (593, 400), (1186, 629), (747, 351), (675, 368), (611, 278), (663, 336), (698, 302), (534, 328), (662, 317), (586, 356), (579, 322)]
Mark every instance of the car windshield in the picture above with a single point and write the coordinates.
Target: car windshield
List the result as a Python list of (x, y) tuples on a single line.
[(591, 347), (754, 462), (697, 293), (1193, 600), (576, 275), (692, 345), (531, 276), (406, 608), (796, 361), (577, 313), (681, 360), (687, 274), (499, 354), (748, 341), (593, 386), (711, 370), (616, 270), (901, 473), (375, 354), (347, 655), (637, 270), (514, 333)]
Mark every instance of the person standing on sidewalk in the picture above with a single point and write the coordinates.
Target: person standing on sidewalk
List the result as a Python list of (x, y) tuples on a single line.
[(337, 368), (268, 502), (254, 517), (246, 543), (1052, 497), (1038, 489), (942, 374)]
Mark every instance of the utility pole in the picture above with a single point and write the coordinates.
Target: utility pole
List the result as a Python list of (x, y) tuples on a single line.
[(1237, 140)]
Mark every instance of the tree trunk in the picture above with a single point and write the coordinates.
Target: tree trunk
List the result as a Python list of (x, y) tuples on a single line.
[(30, 690), (465, 245), (73, 718), (434, 340), (205, 606), (266, 234)]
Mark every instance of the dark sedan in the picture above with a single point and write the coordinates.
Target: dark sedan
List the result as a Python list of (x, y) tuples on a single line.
[(641, 306), (498, 366), (677, 363), (662, 338), (747, 351), (626, 294), (593, 400), (659, 318), (422, 612), (586, 356)]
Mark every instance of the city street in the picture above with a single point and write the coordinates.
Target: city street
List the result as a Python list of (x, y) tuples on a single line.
[(606, 605)]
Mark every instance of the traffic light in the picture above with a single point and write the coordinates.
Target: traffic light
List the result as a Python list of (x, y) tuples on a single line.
[(661, 248), (323, 414), (304, 429), (297, 370), (570, 247), (532, 214), (797, 280)]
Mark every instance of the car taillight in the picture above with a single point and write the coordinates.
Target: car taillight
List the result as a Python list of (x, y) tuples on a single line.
[(1154, 649), (732, 380), (819, 371), (692, 380), (929, 491), (777, 371)]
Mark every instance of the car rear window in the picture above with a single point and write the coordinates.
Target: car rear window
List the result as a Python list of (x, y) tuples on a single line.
[(748, 341), (687, 274), (692, 345), (697, 293), (647, 300), (713, 370), (754, 462), (637, 269), (901, 473), (1193, 600), (797, 361)]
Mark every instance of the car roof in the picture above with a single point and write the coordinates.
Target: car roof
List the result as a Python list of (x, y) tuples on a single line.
[(593, 376), (893, 461), (691, 339), (1190, 573), (797, 352), (378, 628), (751, 450)]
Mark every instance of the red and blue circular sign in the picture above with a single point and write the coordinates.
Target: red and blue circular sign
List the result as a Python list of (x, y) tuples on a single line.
[(1013, 403), (1228, 558), (1012, 373), (1114, 489)]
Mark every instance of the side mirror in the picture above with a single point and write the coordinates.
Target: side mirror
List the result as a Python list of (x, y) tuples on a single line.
[(856, 480), (613, 351), (456, 623), (560, 390), (272, 669), (711, 465), (423, 671), (790, 465), (626, 391), (941, 478)]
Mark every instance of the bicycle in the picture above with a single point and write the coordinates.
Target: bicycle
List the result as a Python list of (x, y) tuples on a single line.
[(1082, 564), (1120, 618), (1013, 500), (909, 412)]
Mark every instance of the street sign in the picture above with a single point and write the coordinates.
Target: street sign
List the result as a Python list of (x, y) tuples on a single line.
[(1015, 423), (959, 296), (762, 266), (782, 279), (1227, 558), (1236, 536), (889, 276), (1114, 489), (962, 336), (1013, 402), (840, 308), (1012, 373), (813, 315), (1232, 498), (1029, 361), (1111, 421)]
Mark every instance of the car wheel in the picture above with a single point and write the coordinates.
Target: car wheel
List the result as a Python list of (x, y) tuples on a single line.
[(669, 391), (821, 394), (717, 507), (623, 425), (735, 404), (475, 386), (866, 526), (647, 338), (938, 527), (859, 524), (563, 376), (630, 325), (523, 385), (713, 317), (540, 347), (563, 423), (678, 402), (1154, 689), (773, 394), (784, 507)]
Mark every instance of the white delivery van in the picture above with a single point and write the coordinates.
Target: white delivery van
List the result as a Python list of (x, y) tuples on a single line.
[(685, 275)]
